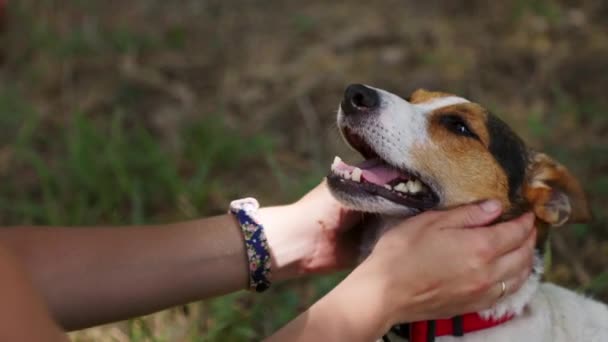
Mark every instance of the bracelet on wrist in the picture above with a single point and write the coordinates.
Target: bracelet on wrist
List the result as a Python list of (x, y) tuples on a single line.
[(258, 253)]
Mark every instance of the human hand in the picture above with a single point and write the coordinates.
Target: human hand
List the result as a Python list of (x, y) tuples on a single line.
[(434, 266), (311, 235)]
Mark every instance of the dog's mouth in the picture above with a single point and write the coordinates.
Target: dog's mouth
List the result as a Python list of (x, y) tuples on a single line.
[(376, 177)]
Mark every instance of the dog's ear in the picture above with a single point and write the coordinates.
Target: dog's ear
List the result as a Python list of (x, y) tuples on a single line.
[(556, 197)]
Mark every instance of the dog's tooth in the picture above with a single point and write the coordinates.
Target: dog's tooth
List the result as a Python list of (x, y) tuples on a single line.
[(401, 187), (347, 175), (335, 163), (416, 186), (356, 175), (388, 187)]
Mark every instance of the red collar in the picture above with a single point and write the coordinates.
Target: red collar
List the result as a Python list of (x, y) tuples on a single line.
[(426, 331)]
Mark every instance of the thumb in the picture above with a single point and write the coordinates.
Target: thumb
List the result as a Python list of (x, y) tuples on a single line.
[(473, 215)]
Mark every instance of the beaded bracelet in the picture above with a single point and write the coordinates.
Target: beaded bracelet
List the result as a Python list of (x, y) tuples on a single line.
[(258, 254)]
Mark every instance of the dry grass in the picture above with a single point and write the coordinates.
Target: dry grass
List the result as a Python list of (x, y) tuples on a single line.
[(180, 88)]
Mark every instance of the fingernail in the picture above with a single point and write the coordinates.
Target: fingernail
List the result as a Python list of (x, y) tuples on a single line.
[(490, 206)]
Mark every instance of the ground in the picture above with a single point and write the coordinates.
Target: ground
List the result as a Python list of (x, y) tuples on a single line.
[(152, 111)]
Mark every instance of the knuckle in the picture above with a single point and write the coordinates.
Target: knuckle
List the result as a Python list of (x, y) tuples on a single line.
[(476, 263), (474, 268), (483, 250)]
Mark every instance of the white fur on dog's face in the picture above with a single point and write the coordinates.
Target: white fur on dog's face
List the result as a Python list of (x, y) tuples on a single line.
[(395, 130)]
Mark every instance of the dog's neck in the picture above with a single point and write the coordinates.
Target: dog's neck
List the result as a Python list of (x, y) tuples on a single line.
[(511, 305)]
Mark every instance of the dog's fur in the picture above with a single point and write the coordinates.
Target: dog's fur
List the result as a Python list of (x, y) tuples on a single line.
[(464, 154)]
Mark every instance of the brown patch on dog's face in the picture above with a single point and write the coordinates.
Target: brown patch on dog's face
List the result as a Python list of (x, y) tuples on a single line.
[(423, 95), (474, 156), (459, 160)]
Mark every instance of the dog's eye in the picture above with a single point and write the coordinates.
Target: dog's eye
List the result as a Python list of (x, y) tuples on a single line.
[(458, 125)]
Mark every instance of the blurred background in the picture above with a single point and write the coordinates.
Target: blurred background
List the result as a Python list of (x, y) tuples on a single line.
[(153, 111)]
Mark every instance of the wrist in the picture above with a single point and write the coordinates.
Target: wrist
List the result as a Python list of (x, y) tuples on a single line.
[(359, 306), (382, 302), (289, 246), (390, 303), (335, 318), (310, 236)]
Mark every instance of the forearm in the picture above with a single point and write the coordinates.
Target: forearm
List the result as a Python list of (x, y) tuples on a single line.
[(23, 315), (96, 275), (347, 313)]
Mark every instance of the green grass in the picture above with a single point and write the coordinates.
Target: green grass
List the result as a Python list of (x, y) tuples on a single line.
[(115, 171), (111, 167), (547, 9)]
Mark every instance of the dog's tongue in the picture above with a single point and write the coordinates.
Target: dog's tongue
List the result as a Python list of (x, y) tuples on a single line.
[(380, 174), (373, 171)]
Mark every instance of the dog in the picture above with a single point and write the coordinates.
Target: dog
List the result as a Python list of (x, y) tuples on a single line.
[(438, 150)]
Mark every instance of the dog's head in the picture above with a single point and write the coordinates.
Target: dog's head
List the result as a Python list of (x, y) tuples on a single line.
[(439, 150)]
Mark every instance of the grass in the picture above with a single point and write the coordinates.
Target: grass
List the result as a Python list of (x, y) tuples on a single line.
[(110, 164), (117, 171)]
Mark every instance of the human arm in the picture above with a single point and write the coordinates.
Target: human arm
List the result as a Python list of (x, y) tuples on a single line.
[(24, 316), (411, 275), (90, 276)]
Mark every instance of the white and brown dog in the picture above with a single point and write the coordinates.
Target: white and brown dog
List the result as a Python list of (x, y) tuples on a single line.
[(436, 151)]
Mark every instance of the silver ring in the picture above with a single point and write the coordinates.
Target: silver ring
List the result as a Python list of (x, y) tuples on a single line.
[(503, 289)]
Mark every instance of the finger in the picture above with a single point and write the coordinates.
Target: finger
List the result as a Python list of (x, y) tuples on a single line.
[(496, 293), (519, 281), (473, 215), (501, 290), (516, 264), (508, 236)]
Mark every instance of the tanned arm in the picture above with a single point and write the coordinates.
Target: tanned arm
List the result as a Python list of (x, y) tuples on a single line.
[(23, 317), (90, 276)]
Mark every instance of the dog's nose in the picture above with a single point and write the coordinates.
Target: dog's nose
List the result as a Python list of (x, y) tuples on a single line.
[(359, 98)]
